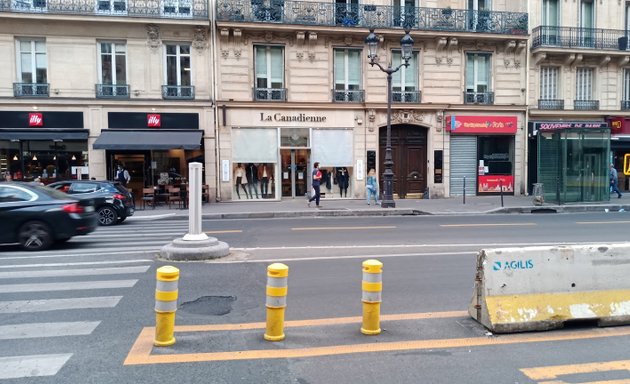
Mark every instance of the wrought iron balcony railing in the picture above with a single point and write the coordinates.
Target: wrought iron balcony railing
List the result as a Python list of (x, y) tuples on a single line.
[(348, 96), (586, 105), (478, 97), (577, 37), (554, 104), (372, 16), (112, 91), (625, 105), (270, 94), (406, 96), (178, 92), (188, 9), (31, 89)]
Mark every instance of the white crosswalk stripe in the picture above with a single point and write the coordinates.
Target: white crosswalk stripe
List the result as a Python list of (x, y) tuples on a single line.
[(43, 294)]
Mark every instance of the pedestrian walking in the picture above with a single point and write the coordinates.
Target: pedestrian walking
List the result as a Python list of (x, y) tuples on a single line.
[(317, 177), (371, 187), (614, 180)]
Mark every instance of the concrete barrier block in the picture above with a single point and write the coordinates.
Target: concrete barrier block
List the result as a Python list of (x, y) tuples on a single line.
[(541, 288)]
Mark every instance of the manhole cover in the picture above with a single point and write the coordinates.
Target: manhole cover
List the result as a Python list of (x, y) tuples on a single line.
[(209, 305)]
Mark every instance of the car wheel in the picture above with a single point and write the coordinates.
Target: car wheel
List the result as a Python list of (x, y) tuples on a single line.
[(107, 215), (35, 236)]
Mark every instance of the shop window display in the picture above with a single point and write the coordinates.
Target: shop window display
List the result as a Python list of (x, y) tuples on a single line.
[(254, 181), (336, 182)]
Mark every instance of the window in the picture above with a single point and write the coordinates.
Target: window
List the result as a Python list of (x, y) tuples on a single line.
[(626, 85), (269, 69), (405, 81), (177, 8), (113, 69), (347, 12), (404, 13), (584, 84), (479, 18), (478, 78), (549, 83), (550, 13), (36, 5), (178, 71), (32, 65), (111, 6), (587, 23), (348, 75), (10, 194)]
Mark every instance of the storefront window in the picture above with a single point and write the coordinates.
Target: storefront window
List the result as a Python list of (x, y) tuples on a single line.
[(495, 156), (254, 180), (254, 163), (48, 160)]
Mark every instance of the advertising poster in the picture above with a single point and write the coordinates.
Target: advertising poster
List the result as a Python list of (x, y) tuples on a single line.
[(494, 183)]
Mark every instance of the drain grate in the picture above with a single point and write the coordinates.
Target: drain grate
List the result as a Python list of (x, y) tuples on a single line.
[(209, 305)]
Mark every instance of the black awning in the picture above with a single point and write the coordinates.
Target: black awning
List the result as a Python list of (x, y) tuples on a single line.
[(147, 140), (43, 134)]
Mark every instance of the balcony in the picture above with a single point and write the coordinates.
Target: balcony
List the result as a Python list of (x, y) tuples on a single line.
[(348, 96), (581, 38), (112, 91), (478, 97), (551, 104), (406, 96), (625, 105), (178, 92), (586, 105), (31, 89), (164, 9), (270, 94), (371, 16)]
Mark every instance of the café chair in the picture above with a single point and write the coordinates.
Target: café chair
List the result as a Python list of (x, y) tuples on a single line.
[(148, 197), (174, 195)]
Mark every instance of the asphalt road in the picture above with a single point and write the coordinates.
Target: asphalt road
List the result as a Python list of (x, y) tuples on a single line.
[(429, 266)]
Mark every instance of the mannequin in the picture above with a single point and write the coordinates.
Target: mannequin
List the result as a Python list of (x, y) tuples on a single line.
[(264, 173), (241, 179), (252, 177), (343, 179)]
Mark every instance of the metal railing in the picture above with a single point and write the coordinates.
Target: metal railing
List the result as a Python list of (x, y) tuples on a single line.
[(31, 89), (478, 97), (112, 91), (372, 16), (555, 104), (270, 94), (586, 105), (406, 96), (625, 105), (178, 92), (577, 37), (168, 9), (348, 96)]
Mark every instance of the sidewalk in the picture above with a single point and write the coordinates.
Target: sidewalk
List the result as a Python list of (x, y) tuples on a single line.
[(358, 207)]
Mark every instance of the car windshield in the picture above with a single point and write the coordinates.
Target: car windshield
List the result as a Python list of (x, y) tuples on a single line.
[(121, 189)]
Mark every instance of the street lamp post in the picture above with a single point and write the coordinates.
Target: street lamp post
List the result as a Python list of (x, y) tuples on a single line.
[(406, 46)]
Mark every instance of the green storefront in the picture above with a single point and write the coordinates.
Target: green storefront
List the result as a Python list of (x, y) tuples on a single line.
[(572, 160)]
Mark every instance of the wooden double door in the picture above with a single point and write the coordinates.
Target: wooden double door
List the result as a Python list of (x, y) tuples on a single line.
[(409, 154)]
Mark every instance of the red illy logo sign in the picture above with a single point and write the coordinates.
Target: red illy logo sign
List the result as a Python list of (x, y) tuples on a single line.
[(35, 120), (153, 120)]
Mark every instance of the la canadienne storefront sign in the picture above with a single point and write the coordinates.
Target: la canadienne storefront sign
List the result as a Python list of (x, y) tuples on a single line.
[(299, 118)]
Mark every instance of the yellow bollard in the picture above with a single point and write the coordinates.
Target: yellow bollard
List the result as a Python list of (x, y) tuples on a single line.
[(165, 305), (277, 277), (372, 286)]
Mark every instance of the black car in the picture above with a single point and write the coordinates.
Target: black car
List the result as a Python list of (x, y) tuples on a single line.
[(36, 216), (115, 204)]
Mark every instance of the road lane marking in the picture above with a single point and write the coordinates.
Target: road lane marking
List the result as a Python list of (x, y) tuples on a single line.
[(363, 256), (15, 367), (26, 306), (603, 222), (342, 228), (225, 231), (550, 374), (73, 272), (75, 264), (33, 330), (489, 225), (141, 350), (67, 286)]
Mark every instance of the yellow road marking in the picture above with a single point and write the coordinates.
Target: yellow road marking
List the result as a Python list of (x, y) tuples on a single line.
[(225, 231), (552, 372), (604, 222), (341, 228), (489, 225), (140, 352)]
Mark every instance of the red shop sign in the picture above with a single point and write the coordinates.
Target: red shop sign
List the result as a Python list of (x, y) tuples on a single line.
[(619, 125), (35, 120), (494, 183), (481, 124), (153, 120)]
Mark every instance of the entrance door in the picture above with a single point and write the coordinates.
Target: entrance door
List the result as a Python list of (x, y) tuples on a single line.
[(409, 154), (294, 172)]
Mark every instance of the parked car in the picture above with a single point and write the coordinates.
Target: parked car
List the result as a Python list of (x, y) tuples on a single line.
[(117, 204), (36, 216)]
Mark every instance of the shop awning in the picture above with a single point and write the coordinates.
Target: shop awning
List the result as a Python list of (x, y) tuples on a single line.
[(149, 140), (43, 134)]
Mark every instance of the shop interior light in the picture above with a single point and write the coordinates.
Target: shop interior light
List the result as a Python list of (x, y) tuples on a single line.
[(15, 157), (74, 157), (55, 157), (34, 157)]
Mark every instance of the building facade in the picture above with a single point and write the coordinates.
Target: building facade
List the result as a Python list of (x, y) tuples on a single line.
[(89, 85)]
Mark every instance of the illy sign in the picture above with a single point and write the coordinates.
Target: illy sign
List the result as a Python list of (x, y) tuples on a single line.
[(35, 120), (153, 120)]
